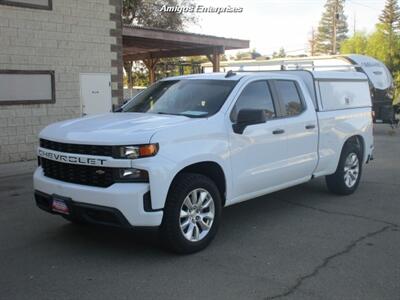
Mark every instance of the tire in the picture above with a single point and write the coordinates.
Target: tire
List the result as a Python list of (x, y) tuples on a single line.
[(180, 236), (339, 182)]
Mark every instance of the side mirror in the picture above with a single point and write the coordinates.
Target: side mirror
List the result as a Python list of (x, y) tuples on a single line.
[(248, 117)]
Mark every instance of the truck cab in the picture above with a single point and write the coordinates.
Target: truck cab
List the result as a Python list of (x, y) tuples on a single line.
[(188, 146)]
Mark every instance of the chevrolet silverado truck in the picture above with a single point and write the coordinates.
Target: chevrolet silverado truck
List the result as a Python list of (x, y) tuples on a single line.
[(186, 147)]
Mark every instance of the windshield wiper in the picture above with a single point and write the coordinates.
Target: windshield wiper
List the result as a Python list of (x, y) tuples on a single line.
[(184, 115)]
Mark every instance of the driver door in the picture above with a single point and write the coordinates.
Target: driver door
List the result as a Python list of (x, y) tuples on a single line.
[(258, 154)]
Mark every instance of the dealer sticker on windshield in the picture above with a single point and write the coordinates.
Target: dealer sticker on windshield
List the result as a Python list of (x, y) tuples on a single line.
[(59, 206)]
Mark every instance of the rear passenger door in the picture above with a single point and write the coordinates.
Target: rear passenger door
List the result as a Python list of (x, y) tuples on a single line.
[(300, 129)]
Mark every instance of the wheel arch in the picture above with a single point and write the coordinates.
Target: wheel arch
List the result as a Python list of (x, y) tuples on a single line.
[(336, 182), (359, 141), (212, 170)]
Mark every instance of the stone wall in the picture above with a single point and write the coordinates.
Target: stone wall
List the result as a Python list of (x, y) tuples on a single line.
[(75, 36)]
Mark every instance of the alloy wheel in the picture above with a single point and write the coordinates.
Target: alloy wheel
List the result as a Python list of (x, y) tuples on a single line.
[(351, 170), (197, 215)]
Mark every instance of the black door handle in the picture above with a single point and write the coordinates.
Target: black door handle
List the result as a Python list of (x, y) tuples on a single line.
[(278, 131), (312, 126)]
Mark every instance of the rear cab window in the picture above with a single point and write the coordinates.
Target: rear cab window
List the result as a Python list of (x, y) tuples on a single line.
[(290, 99)]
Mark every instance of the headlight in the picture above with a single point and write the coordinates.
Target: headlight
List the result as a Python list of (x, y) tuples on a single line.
[(131, 175), (133, 152)]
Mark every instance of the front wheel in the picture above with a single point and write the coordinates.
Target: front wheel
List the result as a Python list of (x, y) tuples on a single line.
[(192, 213), (348, 173)]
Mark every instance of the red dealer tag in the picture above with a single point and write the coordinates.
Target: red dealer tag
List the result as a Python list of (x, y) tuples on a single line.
[(59, 206)]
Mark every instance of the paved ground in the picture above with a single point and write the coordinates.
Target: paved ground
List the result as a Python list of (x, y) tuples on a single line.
[(301, 243)]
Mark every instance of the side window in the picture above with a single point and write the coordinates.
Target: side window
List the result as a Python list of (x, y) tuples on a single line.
[(256, 95), (289, 97)]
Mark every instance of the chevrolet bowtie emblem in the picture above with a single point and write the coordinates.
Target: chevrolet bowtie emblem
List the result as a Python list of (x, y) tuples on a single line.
[(100, 172)]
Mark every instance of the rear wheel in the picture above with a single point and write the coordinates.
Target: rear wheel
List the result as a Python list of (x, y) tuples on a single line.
[(192, 213), (348, 173)]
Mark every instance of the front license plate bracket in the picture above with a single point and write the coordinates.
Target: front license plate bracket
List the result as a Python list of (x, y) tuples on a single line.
[(59, 205)]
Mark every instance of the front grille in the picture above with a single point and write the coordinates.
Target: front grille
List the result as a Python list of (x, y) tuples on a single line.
[(77, 148), (86, 175)]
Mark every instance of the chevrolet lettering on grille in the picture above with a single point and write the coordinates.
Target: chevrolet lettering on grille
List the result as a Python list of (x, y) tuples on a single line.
[(68, 158)]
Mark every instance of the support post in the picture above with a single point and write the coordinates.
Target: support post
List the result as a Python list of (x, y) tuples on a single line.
[(128, 70), (151, 64), (214, 58), (216, 63)]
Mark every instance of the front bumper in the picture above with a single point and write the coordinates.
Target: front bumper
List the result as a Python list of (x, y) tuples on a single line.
[(121, 199), (89, 213)]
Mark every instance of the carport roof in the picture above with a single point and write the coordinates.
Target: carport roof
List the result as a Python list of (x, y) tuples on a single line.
[(147, 43)]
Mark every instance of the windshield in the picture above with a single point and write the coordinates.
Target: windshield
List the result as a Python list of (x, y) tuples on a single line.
[(191, 98)]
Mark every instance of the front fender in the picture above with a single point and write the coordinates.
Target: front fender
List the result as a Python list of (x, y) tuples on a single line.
[(203, 141)]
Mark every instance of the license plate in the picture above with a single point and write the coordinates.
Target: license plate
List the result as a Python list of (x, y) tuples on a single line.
[(58, 205)]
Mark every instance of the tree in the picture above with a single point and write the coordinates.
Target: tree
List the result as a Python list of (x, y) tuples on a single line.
[(356, 44), (391, 16), (247, 55), (279, 54), (396, 77), (254, 54), (332, 28), (243, 55), (312, 42), (389, 27), (148, 13)]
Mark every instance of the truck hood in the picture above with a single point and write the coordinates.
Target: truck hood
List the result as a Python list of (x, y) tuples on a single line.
[(111, 128)]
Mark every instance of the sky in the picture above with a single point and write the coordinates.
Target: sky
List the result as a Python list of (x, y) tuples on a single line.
[(272, 24)]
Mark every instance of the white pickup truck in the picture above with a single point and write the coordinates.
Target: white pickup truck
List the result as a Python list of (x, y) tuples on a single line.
[(188, 146)]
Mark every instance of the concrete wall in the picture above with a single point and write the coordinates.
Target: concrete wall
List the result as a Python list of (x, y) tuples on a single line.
[(76, 36)]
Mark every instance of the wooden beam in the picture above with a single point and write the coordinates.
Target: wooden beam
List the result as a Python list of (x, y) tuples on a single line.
[(173, 53), (135, 50), (183, 37), (162, 44)]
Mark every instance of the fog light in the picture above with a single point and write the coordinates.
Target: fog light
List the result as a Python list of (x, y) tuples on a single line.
[(132, 175)]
